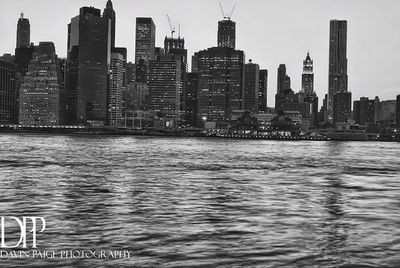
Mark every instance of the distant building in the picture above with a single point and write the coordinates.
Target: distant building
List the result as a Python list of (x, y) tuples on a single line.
[(385, 111), (109, 13), (192, 87), (7, 89), (285, 98), (165, 87), (221, 83), (307, 78), (136, 96), (116, 88), (364, 111), (252, 86), (42, 98), (130, 72), (263, 90), (307, 94), (89, 52), (338, 81), (398, 109), (226, 33), (23, 32), (145, 39), (342, 107)]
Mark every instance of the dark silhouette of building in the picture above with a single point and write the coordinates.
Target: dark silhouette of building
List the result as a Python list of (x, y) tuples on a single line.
[(342, 107), (307, 78), (221, 83), (285, 99), (130, 72), (192, 86), (23, 32), (110, 14), (307, 94), (116, 88), (252, 86), (385, 111), (165, 87), (337, 62), (7, 89), (263, 91), (23, 55), (89, 39), (145, 39), (398, 109), (176, 47), (364, 111), (226, 33), (42, 97)]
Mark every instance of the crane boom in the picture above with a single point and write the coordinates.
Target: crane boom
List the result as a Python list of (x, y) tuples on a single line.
[(233, 9), (222, 10), (171, 26)]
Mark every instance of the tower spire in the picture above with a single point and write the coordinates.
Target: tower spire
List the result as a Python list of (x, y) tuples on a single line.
[(109, 4)]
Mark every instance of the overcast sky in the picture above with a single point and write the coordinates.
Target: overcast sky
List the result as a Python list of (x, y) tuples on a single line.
[(270, 33)]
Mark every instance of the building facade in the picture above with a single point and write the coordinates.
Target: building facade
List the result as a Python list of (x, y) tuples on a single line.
[(145, 39), (116, 88), (226, 33), (263, 91), (364, 111), (398, 110), (338, 80), (42, 98), (7, 89), (342, 107), (252, 86), (89, 51), (221, 83)]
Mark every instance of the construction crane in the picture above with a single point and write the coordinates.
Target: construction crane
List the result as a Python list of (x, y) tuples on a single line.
[(171, 26), (226, 16)]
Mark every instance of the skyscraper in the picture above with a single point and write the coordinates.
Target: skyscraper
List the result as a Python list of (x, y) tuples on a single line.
[(307, 78), (252, 86), (221, 83), (110, 14), (7, 89), (338, 80), (165, 87), (116, 86), (226, 33), (285, 98), (42, 98), (398, 110), (89, 40), (23, 32), (263, 90), (364, 111), (145, 39), (342, 107), (192, 86)]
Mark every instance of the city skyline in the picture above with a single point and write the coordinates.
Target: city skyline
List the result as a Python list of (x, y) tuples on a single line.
[(364, 80)]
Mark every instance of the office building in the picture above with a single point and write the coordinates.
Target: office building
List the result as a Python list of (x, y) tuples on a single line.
[(116, 88), (263, 90), (226, 33), (42, 98), (192, 87), (109, 13), (89, 51), (252, 86), (338, 80), (145, 39), (364, 111), (7, 89), (221, 83), (342, 107)]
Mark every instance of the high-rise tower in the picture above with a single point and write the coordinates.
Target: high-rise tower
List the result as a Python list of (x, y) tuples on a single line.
[(307, 78), (338, 80), (23, 32), (110, 14), (227, 33)]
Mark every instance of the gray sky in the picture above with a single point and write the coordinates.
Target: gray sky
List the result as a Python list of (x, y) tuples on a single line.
[(270, 33)]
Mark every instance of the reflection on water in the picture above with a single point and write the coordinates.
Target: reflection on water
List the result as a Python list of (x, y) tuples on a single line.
[(207, 202)]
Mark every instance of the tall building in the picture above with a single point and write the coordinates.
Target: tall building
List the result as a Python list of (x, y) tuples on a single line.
[(226, 33), (7, 89), (23, 32), (342, 107), (89, 51), (164, 88), (116, 88), (221, 83), (110, 14), (42, 98), (283, 83), (23, 55), (398, 109), (145, 39), (364, 111), (285, 98), (176, 47), (338, 80), (263, 90), (385, 111), (252, 86), (307, 78), (192, 86)]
